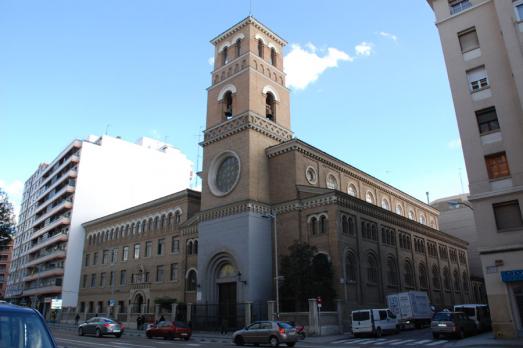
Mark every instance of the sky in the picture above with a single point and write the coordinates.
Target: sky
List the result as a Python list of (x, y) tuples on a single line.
[(367, 81)]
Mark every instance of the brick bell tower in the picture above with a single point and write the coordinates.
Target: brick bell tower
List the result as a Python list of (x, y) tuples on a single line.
[(247, 112)]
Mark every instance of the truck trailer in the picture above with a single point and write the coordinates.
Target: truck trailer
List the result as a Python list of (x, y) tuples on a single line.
[(411, 308)]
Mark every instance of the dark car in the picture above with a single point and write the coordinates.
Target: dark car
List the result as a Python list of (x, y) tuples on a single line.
[(169, 330), (271, 332), (23, 327), (100, 326), (457, 324)]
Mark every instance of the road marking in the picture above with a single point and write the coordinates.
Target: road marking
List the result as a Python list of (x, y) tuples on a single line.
[(91, 343), (132, 345), (437, 342), (341, 341), (360, 341), (401, 342), (374, 341), (419, 342), (384, 342)]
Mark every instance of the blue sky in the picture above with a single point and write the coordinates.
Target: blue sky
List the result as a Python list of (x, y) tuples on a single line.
[(368, 81)]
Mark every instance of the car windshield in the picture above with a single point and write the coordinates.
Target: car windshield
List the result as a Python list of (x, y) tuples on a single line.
[(24, 330), (360, 316), (443, 316), (470, 311)]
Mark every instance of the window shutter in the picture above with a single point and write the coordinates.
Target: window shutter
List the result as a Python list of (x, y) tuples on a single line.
[(508, 215), (468, 40), (476, 74)]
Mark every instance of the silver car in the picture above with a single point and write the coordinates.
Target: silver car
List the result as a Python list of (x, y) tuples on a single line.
[(271, 332)]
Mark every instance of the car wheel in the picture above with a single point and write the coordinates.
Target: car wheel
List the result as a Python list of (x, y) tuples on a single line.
[(186, 338), (291, 344), (274, 342), (356, 335), (98, 333), (461, 334), (238, 341), (80, 331), (435, 335), (118, 335), (148, 335), (378, 332)]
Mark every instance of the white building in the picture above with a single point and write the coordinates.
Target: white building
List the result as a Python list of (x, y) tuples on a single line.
[(88, 179)]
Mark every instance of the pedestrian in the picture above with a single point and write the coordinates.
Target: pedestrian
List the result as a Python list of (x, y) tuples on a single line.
[(76, 318), (142, 321), (138, 322), (223, 330), (162, 318)]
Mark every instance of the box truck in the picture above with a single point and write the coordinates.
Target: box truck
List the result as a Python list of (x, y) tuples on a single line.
[(411, 308)]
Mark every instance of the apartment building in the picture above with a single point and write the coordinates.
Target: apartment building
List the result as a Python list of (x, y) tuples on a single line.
[(482, 43), (88, 179), (6, 250)]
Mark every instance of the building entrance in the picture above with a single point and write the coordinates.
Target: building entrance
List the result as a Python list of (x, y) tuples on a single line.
[(227, 304)]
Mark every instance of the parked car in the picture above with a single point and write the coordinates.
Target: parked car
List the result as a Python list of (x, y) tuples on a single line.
[(169, 330), (23, 327), (100, 326), (480, 313), (300, 329), (374, 322), (271, 332), (452, 323)]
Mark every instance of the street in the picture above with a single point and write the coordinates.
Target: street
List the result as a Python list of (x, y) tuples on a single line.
[(409, 339)]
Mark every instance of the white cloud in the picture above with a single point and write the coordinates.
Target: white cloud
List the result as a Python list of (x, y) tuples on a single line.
[(388, 35), (210, 60), (454, 144), (304, 66), (14, 190), (364, 48)]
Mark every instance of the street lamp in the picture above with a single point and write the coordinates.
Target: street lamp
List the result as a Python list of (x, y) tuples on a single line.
[(456, 204), (272, 215)]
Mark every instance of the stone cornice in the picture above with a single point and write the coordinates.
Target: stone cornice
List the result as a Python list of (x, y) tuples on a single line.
[(247, 120), (249, 20), (316, 154), (347, 201), (247, 206)]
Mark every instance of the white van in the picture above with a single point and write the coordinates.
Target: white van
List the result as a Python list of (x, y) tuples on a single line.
[(480, 313), (374, 322)]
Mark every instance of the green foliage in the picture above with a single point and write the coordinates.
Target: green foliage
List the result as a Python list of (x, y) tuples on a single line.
[(7, 219), (307, 274)]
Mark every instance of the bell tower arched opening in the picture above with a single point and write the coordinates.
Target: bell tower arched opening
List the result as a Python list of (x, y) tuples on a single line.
[(270, 107), (227, 105)]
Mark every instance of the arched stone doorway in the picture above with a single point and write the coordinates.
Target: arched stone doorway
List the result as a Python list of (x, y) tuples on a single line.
[(138, 303)]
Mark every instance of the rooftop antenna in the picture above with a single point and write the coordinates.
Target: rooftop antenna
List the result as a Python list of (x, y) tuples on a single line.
[(199, 135), (250, 8), (428, 200), (107, 128)]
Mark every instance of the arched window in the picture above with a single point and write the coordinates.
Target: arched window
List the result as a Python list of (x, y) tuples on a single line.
[(142, 230), (156, 223), (260, 48), (369, 197), (351, 190), (238, 47), (372, 269), (435, 277), (392, 272), (350, 268), (273, 56), (352, 228), (189, 248), (163, 221), (422, 219), (385, 204), (422, 276), (313, 225), (270, 107), (227, 105), (191, 280), (332, 183), (170, 219), (177, 217), (409, 274), (446, 278), (399, 209), (412, 216), (374, 232), (224, 55), (344, 225), (465, 281), (195, 247), (457, 287), (323, 224), (150, 224)]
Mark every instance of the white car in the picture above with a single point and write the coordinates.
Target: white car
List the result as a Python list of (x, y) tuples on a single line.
[(374, 322)]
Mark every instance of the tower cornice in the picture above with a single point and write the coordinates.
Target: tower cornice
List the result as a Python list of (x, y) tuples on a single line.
[(249, 20)]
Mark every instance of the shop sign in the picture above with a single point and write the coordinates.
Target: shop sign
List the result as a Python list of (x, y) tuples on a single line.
[(512, 276)]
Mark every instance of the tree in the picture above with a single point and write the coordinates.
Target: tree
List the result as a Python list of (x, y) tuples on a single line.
[(7, 219), (307, 274)]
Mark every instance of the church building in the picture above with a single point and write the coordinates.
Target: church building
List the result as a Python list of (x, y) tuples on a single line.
[(263, 189)]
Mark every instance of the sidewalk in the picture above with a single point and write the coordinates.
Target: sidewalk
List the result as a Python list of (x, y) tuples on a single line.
[(488, 339)]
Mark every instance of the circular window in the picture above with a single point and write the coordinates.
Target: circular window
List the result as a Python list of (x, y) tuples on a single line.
[(332, 183), (224, 173), (310, 175)]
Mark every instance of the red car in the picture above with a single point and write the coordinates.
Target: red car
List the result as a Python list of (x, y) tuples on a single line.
[(169, 330)]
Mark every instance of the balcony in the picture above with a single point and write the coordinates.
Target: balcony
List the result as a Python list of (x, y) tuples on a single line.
[(52, 225), (137, 286), (44, 274), (70, 174), (64, 205), (60, 237), (51, 289), (59, 254), (51, 167), (68, 188)]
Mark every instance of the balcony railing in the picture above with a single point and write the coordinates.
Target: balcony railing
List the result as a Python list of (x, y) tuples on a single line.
[(44, 274), (60, 237), (71, 173), (59, 254), (66, 204), (50, 289), (61, 221), (68, 188)]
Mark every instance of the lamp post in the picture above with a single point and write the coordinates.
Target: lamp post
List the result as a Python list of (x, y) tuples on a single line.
[(272, 215)]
